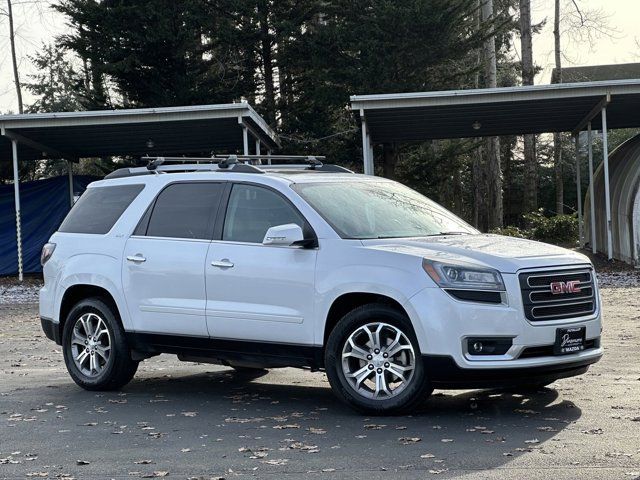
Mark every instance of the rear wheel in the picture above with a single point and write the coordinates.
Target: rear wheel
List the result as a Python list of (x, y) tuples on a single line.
[(373, 361), (95, 350)]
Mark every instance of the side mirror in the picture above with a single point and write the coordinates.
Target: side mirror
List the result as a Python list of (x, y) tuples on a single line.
[(283, 235)]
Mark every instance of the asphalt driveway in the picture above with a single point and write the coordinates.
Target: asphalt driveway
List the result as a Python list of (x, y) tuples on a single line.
[(184, 420)]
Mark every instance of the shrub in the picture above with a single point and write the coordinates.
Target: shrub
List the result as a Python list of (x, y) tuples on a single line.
[(557, 229)]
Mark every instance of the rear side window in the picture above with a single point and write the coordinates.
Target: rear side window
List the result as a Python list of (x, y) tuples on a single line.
[(99, 208), (185, 210)]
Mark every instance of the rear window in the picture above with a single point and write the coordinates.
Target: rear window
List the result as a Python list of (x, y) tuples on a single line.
[(99, 208)]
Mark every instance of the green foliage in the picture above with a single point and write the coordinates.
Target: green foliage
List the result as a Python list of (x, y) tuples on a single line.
[(512, 231), (559, 229)]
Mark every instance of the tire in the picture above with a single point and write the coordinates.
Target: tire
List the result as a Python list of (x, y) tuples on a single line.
[(406, 395), (101, 368)]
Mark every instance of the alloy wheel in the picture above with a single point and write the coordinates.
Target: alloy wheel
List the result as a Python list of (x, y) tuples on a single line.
[(91, 344), (378, 361)]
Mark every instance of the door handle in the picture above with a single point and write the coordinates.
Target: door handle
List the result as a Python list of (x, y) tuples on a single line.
[(225, 263), (136, 258)]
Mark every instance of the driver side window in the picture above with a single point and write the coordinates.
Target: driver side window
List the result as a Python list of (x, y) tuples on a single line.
[(252, 210)]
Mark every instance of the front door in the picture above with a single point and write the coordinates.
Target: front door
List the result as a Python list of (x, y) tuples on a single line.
[(163, 270), (258, 292)]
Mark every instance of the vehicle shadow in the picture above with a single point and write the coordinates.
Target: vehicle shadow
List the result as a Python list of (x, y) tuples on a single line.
[(289, 413)]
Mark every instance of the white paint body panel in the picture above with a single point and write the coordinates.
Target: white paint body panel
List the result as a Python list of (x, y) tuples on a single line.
[(166, 293), (266, 296), (284, 294)]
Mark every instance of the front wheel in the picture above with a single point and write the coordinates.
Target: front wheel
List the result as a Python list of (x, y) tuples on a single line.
[(373, 361), (94, 347)]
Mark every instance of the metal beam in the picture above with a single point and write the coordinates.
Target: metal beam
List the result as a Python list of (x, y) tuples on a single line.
[(607, 196), (16, 191), (579, 192), (52, 152), (595, 111), (592, 200)]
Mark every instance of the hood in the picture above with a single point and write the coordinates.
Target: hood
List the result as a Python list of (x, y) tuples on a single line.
[(505, 254)]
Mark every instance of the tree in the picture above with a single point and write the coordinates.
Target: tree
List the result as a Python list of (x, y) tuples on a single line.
[(56, 86), (492, 144), (528, 72), (557, 137)]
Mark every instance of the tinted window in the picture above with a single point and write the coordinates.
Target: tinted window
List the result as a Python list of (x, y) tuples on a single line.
[(253, 210), (99, 208), (185, 210)]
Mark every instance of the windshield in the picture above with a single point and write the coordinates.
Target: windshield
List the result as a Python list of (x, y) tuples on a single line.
[(365, 210)]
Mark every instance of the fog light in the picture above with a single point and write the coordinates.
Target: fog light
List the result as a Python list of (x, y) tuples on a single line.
[(489, 345)]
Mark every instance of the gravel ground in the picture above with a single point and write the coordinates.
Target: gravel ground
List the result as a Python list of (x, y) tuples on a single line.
[(184, 420)]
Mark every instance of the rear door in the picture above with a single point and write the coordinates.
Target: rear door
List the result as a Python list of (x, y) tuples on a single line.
[(163, 269), (259, 292)]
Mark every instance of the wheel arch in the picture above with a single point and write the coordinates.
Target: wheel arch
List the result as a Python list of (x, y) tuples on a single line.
[(77, 292), (347, 302)]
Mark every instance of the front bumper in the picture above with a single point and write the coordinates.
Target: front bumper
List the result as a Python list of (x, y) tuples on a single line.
[(444, 325), (443, 372)]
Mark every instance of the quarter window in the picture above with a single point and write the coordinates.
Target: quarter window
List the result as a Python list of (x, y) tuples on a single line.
[(185, 210), (253, 210), (99, 208)]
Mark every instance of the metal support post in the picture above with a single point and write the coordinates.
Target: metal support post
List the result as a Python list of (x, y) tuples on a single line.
[(607, 197), (367, 150), (70, 174), (245, 140), (579, 192), (16, 191), (592, 200)]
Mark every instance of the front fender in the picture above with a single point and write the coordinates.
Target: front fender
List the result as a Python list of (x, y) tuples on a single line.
[(353, 270)]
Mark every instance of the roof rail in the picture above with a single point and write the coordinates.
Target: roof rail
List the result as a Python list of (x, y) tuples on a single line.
[(234, 163)]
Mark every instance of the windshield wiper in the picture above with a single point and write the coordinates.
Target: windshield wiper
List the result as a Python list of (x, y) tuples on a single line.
[(442, 234)]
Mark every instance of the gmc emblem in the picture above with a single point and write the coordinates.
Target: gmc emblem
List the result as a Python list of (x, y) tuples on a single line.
[(558, 288)]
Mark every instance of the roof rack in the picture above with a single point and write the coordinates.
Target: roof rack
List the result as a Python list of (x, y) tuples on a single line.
[(234, 163)]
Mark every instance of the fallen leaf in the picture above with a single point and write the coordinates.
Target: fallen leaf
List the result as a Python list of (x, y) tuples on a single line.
[(409, 440)]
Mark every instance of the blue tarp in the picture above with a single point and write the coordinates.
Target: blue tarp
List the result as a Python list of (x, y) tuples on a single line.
[(44, 204)]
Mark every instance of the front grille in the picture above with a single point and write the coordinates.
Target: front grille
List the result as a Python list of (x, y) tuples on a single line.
[(549, 296)]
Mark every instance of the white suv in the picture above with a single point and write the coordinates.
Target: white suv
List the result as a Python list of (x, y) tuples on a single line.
[(309, 266)]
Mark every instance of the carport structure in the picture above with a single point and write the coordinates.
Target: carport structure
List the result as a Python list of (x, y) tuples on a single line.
[(193, 130), (569, 107)]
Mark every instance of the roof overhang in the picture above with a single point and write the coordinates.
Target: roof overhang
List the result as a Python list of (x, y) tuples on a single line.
[(416, 117), (187, 130)]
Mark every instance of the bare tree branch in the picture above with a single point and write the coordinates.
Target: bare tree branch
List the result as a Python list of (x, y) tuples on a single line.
[(575, 4)]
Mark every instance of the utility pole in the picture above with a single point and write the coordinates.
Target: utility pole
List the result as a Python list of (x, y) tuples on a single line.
[(14, 57)]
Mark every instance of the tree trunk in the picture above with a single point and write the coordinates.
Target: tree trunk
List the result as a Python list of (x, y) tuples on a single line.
[(389, 160), (267, 62), (557, 138), (476, 168), (14, 57), (530, 189), (494, 174)]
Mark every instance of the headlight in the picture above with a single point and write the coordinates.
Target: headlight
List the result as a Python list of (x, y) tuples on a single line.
[(463, 276)]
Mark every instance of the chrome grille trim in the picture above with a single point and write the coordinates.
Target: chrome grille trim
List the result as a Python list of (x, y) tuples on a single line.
[(566, 305)]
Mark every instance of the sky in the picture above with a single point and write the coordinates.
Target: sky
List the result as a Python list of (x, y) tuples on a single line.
[(36, 23)]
